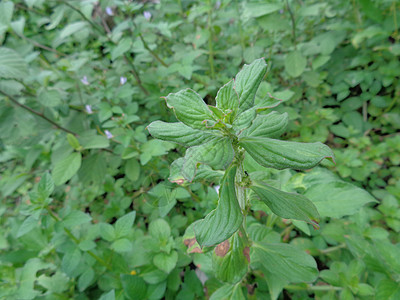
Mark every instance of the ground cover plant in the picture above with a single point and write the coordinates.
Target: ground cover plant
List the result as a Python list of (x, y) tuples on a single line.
[(95, 207)]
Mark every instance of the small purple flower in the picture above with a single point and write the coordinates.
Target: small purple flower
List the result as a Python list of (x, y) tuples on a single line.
[(281, 11), (84, 80), (147, 15), (108, 134), (109, 11), (122, 80), (88, 109), (218, 4)]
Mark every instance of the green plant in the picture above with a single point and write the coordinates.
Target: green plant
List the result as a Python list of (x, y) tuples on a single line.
[(239, 131)]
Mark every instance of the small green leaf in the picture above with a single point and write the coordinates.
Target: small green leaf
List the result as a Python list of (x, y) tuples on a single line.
[(244, 120), (73, 141), (29, 223), (190, 108), (180, 133), (217, 153), (222, 222), (12, 65), (166, 262), (132, 169), (76, 218), (160, 229), (231, 259), (387, 290), (66, 168), (107, 232), (227, 98), (134, 287), (49, 98), (287, 205), (228, 292), (85, 279), (247, 82), (45, 186), (272, 125), (93, 141), (123, 226), (122, 245), (108, 296), (284, 261), (295, 63), (71, 261), (280, 155)]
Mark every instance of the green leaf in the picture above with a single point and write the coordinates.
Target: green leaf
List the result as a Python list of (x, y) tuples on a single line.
[(12, 65), (6, 13), (223, 221), (70, 261), (284, 261), (190, 108), (73, 141), (93, 169), (247, 82), (123, 226), (244, 120), (132, 169), (93, 141), (29, 223), (71, 29), (66, 168), (49, 98), (180, 133), (160, 229), (57, 283), (107, 232), (272, 125), (85, 279), (217, 153), (287, 205), (108, 296), (123, 46), (295, 64), (227, 99), (134, 287), (166, 262), (75, 218), (229, 259), (45, 186), (258, 9), (122, 245), (278, 154), (228, 292), (344, 198), (387, 290)]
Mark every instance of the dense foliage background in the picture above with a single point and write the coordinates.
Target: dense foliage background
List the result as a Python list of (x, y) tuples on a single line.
[(80, 81)]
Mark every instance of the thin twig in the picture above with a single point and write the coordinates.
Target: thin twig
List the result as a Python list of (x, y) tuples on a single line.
[(293, 23), (210, 42), (136, 75), (39, 114), (151, 51)]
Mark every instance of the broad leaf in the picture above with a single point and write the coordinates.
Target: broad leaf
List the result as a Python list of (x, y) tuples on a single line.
[(228, 292), (278, 154), (247, 82), (203, 172), (271, 126), (284, 261), (295, 63), (134, 287), (231, 259), (180, 133), (190, 108), (124, 224), (46, 186), (287, 205), (12, 65), (222, 222), (66, 168), (387, 290), (227, 98), (217, 153), (166, 262)]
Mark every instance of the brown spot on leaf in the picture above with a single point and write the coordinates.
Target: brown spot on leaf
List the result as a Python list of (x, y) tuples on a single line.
[(246, 253), (222, 248), (196, 250), (189, 242)]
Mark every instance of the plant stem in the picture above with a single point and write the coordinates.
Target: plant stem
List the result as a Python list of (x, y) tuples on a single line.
[(210, 41), (151, 51), (331, 249), (310, 287), (136, 75), (240, 27), (293, 23), (13, 100)]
